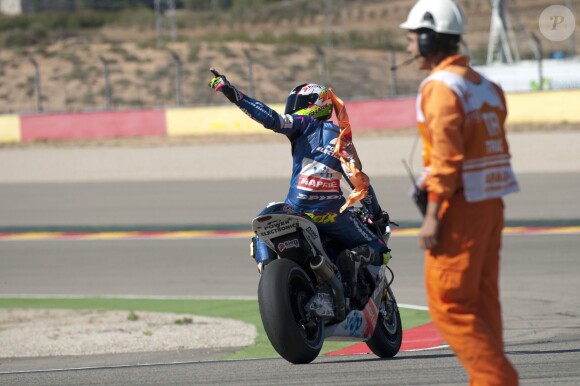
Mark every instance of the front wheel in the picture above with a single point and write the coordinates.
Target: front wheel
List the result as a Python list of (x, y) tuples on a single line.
[(283, 292), (388, 336)]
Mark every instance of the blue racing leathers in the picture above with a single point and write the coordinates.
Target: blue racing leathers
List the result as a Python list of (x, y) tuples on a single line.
[(316, 175)]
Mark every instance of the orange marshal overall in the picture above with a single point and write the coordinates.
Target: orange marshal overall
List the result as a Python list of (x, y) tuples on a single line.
[(467, 169)]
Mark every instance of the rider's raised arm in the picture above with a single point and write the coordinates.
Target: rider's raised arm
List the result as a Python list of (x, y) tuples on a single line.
[(286, 124), (257, 110)]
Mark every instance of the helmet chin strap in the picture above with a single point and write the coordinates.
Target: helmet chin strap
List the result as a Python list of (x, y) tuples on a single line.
[(346, 153)]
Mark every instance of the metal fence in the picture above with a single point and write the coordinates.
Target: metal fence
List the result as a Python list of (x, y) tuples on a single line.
[(79, 77), (159, 69)]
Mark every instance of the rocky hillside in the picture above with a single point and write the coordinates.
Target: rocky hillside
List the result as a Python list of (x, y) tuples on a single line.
[(347, 46)]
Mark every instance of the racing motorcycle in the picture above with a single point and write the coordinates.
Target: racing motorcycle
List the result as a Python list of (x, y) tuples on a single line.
[(305, 298)]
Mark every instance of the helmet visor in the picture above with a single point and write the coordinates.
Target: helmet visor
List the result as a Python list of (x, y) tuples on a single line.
[(297, 102)]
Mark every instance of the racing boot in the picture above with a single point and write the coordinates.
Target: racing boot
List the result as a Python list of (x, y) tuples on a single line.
[(349, 262), (347, 271), (363, 255)]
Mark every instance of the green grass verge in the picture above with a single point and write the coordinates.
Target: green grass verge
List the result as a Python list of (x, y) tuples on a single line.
[(244, 310)]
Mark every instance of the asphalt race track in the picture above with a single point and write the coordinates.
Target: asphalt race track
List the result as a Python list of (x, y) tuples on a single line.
[(539, 278)]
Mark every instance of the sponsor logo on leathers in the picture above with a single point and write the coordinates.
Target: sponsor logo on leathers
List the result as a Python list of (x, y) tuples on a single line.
[(328, 149), (317, 177), (316, 184), (316, 197), (364, 232), (323, 218)]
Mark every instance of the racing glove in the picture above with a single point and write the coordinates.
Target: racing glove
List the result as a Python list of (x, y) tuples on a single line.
[(382, 221), (221, 83)]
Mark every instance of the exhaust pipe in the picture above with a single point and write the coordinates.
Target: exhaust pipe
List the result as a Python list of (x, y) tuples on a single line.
[(323, 268)]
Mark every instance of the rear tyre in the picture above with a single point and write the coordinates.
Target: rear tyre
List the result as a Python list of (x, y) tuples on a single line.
[(283, 292), (388, 336)]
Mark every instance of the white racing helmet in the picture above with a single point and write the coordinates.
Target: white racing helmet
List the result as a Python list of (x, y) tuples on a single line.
[(310, 99), (441, 16)]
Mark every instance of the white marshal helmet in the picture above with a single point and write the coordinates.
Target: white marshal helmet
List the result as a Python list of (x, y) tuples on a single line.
[(441, 16)]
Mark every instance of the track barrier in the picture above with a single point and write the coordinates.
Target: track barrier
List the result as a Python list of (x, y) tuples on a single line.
[(550, 107)]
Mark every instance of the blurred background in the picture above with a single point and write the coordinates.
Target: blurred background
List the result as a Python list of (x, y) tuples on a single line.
[(79, 55)]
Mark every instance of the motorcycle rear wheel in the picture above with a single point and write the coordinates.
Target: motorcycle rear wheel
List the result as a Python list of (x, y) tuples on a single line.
[(283, 292), (388, 336)]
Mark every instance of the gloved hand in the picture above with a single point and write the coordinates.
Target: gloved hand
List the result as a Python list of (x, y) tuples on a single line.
[(382, 221), (221, 83)]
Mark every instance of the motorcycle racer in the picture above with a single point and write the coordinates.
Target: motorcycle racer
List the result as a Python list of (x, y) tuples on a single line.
[(323, 153)]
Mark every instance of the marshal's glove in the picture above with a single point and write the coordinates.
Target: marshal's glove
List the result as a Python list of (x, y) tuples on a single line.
[(221, 83)]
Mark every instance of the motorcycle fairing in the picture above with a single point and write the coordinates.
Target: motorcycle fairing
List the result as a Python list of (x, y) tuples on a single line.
[(274, 225), (358, 325), (361, 324)]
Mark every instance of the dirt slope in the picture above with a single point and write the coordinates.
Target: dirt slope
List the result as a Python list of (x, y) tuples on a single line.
[(280, 40)]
